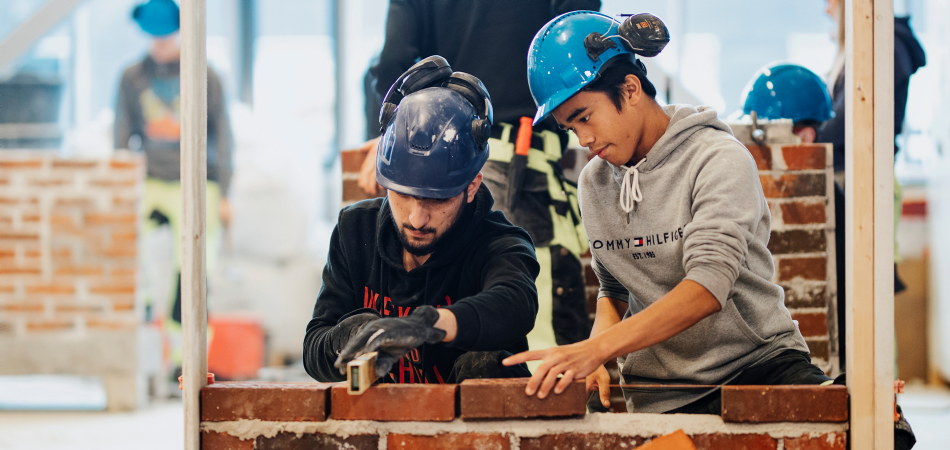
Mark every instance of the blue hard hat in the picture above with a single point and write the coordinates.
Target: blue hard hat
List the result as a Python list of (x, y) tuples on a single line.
[(157, 17), (429, 148), (787, 91), (558, 62)]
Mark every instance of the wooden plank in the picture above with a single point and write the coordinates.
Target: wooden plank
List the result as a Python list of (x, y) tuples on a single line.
[(869, 211), (194, 139)]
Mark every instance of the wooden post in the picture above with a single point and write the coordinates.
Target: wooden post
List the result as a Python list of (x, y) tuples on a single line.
[(194, 140), (869, 187)]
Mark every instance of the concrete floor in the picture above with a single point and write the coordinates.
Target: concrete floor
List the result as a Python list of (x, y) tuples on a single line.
[(160, 426)]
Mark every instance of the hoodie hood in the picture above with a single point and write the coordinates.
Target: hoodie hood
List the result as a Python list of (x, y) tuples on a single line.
[(685, 121), (904, 37)]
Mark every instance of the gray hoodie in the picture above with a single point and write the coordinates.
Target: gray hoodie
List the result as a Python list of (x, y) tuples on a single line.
[(696, 212)]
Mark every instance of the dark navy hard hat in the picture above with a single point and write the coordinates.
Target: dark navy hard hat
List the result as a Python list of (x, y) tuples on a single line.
[(428, 149), (787, 91), (157, 17)]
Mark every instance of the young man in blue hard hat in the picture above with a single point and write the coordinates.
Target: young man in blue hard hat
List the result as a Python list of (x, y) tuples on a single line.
[(678, 226), (429, 276), (148, 120)]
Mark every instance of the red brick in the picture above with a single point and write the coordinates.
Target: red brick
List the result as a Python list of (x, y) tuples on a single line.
[(106, 289), (785, 403), (51, 289), (19, 200), (441, 441), (5, 253), (802, 213), (812, 324), (812, 268), (110, 219), (827, 441), (73, 307), (811, 296), (212, 440), (286, 440), (123, 165), (805, 157), (79, 270), (119, 272), (286, 402), (113, 183), (722, 441), (73, 164), (6, 289), (49, 325), (21, 164), (797, 185), (504, 398), (123, 306), (130, 323), (762, 156), (49, 182), (570, 441), (819, 348), (11, 269), (18, 236), (22, 307), (74, 202), (352, 192), (590, 278), (352, 160), (797, 241), (395, 402), (124, 236)]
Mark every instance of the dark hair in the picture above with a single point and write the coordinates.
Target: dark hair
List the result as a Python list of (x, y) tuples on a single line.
[(611, 78)]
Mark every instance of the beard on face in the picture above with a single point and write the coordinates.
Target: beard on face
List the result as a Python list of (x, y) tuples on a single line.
[(402, 230)]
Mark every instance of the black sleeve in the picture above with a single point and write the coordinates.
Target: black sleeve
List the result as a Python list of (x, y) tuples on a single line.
[(832, 131), (123, 128), (329, 330), (505, 309), (219, 133)]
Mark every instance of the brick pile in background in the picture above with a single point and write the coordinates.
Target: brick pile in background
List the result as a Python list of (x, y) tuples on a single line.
[(497, 414), (68, 231), (68, 265), (352, 160), (799, 186)]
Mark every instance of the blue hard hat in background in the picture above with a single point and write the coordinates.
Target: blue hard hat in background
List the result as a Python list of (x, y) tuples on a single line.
[(787, 91), (428, 149), (558, 62), (157, 17)]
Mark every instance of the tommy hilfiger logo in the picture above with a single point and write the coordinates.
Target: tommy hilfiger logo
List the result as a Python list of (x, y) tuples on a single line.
[(639, 241)]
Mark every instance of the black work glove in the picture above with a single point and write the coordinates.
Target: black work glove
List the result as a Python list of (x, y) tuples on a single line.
[(349, 327), (392, 339)]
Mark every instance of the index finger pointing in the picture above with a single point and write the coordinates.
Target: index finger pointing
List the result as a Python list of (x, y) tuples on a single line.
[(522, 357)]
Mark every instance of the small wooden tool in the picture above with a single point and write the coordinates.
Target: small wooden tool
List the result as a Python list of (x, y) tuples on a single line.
[(360, 373)]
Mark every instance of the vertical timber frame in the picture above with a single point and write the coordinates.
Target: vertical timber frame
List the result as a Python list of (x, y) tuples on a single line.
[(194, 141), (869, 245)]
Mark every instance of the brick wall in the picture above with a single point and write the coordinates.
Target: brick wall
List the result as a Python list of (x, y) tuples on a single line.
[(495, 414), (68, 263), (797, 181)]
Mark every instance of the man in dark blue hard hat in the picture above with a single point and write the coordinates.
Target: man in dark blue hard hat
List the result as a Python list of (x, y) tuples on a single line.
[(429, 276)]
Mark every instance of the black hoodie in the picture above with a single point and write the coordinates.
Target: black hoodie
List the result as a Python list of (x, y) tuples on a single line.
[(908, 57), (483, 271)]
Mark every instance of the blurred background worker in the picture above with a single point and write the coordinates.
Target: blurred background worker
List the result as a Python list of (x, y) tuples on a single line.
[(490, 40), (147, 119), (909, 56)]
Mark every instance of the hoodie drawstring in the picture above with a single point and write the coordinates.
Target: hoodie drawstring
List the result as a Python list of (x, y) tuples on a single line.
[(630, 189)]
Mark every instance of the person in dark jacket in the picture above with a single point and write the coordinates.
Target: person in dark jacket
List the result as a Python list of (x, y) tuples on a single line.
[(489, 39), (430, 277)]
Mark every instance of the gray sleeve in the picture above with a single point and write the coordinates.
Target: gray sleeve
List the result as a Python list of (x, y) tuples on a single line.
[(609, 286), (728, 206)]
